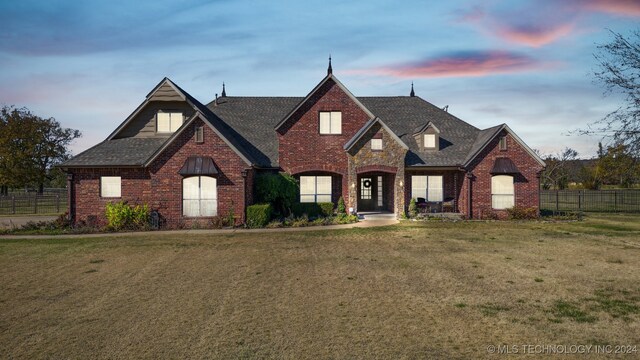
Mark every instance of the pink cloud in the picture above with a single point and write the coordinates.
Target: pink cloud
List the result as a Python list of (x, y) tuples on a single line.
[(462, 64), (534, 36), (629, 8)]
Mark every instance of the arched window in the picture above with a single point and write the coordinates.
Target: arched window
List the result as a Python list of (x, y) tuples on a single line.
[(502, 192), (199, 196)]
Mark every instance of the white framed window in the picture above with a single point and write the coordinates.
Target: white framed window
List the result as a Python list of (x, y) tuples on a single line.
[(330, 122), (199, 196), (110, 186), (376, 144), (429, 188), (315, 189), (429, 141), (168, 122), (502, 192)]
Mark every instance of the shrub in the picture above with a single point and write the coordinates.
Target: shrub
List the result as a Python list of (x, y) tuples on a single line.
[(312, 209), (280, 190), (342, 208), (488, 214), (520, 213), (413, 208), (258, 215), (230, 220), (122, 216), (302, 221), (216, 222)]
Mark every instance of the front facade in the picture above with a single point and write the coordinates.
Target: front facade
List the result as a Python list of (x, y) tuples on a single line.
[(191, 162)]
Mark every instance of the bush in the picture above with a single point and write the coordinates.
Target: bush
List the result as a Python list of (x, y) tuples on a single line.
[(413, 208), (258, 215), (342, 208), (217, 222), (312, 209), (122, 216), (280, 190), (520, 213)]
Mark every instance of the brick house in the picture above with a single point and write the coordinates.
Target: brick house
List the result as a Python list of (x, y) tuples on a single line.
[(191, 161)]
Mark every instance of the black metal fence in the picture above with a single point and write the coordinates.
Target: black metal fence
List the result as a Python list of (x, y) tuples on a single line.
[(590, 200), (50, 202)]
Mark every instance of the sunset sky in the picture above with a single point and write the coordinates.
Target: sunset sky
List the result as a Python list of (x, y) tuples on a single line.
[(529, 63)]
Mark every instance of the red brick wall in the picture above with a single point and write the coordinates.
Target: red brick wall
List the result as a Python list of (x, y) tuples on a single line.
[(303, 149), (526, 185), (86, 195), (160, 185)]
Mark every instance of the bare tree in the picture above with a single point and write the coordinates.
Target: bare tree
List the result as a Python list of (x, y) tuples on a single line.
[(556, 173), (619, 72)]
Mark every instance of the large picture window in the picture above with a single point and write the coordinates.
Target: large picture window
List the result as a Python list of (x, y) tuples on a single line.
[(330, 122), (427, 187), (502, 192), (199, 196), (315, 189)]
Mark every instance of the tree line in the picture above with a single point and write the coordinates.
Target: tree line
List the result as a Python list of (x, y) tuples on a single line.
[(30, 148)]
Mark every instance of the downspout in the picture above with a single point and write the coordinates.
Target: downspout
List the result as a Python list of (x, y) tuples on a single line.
[(469, 193), (70, 202), (244, 173)]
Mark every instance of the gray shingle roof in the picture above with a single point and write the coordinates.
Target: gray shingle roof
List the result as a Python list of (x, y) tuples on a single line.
[(117, 152), (248, 123), (254, 118)]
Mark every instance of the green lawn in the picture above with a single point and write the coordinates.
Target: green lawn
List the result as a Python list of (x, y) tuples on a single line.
[(416, 290)]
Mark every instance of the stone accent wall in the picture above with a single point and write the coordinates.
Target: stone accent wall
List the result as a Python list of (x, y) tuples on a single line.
[(389, 160), (160, 185), (302, 148), (526, 185)]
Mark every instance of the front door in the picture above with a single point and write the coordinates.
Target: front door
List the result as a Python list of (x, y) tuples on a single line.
[(370, 193)]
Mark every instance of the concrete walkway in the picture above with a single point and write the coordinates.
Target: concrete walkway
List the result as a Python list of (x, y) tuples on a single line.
[(360, 224)]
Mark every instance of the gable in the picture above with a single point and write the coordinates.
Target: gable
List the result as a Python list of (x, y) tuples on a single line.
[(318, 92), (166, 92), (143, 122)]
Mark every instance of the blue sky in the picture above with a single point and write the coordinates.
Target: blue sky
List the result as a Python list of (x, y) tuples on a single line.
[(89, 64)]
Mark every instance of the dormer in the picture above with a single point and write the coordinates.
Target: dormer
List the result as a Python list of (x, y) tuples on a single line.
[(428, 137)]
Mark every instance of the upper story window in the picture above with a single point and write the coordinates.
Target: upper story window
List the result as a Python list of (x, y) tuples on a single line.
[(330, 122), (503, 143), (430, 141), (168, 121), (376, 144)]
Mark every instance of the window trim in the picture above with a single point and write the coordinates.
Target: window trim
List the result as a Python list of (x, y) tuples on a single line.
[(512, 194), (315, 187), (102, 187), (199, 197), (330, 115), (170, 112)]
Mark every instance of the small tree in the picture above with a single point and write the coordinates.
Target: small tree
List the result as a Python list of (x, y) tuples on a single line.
[(413, 208), (280, 190), (342, 209), (556, 174)]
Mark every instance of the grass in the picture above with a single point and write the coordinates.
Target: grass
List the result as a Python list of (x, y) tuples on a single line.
[(416, 290)]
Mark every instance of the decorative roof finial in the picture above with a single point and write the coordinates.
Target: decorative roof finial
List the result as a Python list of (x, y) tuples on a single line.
[(412, 93), (329, 70), (224, 92)]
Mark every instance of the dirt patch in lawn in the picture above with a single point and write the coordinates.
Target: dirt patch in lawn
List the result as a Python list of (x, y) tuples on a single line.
[(416, 290)]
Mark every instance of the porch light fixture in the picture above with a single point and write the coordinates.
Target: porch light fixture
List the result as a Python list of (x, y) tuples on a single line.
[(401, 183), (353, 185)]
